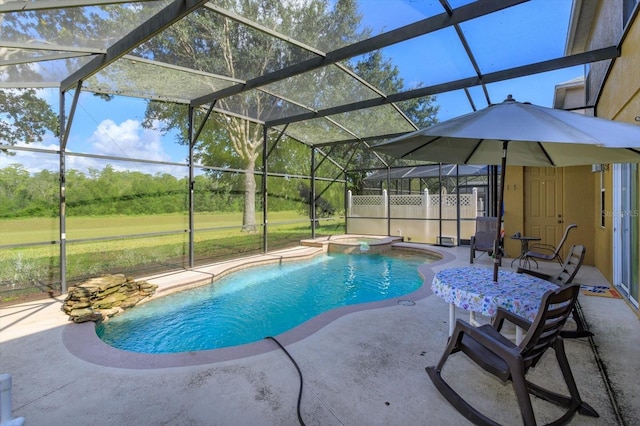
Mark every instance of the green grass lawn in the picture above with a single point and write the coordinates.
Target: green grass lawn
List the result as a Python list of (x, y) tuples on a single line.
[(37, 230), (36, 269)]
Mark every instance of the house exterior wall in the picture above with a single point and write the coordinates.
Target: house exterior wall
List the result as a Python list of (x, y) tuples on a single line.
[(578, 206), (620, 97), (619, 100), (606, 31), (578, 199), (575, 97), (513, 208), (613, 88), (578, 193)]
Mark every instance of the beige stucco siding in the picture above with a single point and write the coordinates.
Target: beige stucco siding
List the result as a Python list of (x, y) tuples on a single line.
[(620, 101)]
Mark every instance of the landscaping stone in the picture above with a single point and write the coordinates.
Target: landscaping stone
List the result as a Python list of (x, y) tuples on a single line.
[(84, 315), (99, 298)]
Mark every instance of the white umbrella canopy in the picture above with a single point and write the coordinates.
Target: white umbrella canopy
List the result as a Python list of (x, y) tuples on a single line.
[(537, 136), (519, 134)]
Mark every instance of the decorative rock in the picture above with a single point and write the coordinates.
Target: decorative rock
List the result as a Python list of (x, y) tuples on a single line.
[(108, 313), (99, 298), (84, 315), (110, 301), (108, 291), (130, 302)]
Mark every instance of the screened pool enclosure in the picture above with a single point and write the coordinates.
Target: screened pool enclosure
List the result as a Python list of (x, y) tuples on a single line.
[(186, 132), (434, 204)]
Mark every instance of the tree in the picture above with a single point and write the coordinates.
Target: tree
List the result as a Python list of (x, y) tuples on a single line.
[(25, 117), (383, 74), (219, 45)]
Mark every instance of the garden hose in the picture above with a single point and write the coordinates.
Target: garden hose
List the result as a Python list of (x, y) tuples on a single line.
[(299, 375)]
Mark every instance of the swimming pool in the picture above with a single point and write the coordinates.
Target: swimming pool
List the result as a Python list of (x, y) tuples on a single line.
[(251, 304)]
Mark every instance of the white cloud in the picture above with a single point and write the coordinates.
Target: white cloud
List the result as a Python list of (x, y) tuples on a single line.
[(35, 161), (128, 139), (125, 140)]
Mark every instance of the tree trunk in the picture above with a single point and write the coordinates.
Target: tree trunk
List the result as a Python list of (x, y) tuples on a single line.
[(249, 209)]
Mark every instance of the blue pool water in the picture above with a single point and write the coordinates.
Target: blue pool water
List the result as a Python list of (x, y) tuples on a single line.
[(249, 305)]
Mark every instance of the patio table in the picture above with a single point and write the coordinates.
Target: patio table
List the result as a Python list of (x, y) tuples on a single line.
[(473, 289), (524, 248)]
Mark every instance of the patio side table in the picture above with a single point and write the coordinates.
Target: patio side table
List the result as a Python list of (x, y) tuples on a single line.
[(524, 248)]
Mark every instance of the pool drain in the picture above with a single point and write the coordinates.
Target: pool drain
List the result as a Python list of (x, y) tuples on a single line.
[(406, 302)]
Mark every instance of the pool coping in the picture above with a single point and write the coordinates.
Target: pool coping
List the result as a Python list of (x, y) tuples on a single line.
[(82, 341)]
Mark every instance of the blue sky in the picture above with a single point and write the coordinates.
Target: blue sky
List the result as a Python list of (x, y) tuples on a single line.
[(114, 128), (500, 40), (111, 128)]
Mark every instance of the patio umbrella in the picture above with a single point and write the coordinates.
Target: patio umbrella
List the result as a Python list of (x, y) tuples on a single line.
[(519, 134)]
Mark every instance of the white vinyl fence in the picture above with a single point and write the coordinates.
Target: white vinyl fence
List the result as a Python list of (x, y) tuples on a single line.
[(415, 217)]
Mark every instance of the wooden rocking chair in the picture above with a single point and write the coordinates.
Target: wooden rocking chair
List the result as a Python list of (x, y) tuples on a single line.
[(565, 276), (510, 362)]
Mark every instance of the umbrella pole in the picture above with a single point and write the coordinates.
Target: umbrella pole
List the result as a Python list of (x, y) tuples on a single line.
[(497, 254)]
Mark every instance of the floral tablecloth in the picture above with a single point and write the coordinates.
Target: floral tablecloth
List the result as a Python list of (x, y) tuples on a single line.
[(473, 289)]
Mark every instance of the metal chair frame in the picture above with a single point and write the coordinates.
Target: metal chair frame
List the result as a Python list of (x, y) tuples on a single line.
[(537, 251)]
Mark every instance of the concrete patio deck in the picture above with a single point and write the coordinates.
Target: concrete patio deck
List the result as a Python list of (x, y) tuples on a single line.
[(361, 365)]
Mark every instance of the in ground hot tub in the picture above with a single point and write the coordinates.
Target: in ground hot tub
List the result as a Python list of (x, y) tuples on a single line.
[(354, 244)]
